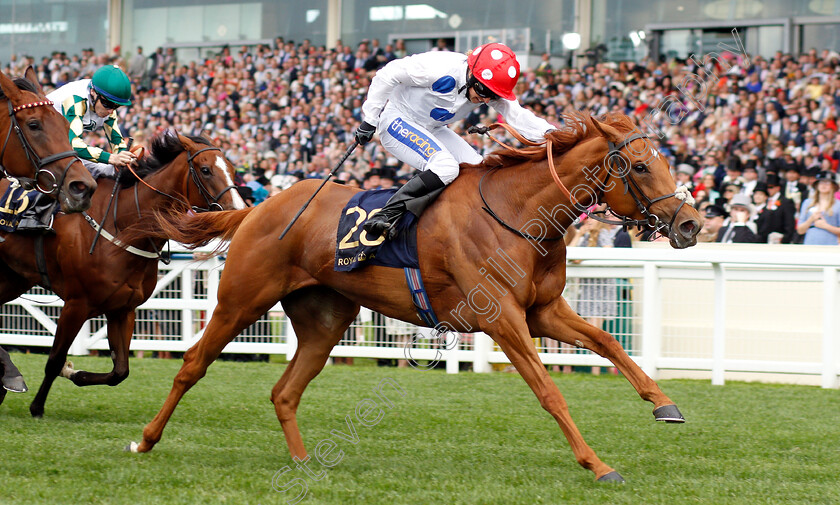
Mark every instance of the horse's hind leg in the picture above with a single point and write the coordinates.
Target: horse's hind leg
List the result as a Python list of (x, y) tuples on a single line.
[(230, 317), (560, 322), (12, 378), (319, 316)]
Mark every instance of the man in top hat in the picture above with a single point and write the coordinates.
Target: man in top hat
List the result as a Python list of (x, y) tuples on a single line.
[(776, 214), (714, 219), (740, 228), (792, 188)]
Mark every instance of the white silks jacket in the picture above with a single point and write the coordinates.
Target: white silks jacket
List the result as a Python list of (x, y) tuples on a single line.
[(430, 90)]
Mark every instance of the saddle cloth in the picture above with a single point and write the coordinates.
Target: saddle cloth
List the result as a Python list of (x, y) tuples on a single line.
[(12, 205), (354, 249)]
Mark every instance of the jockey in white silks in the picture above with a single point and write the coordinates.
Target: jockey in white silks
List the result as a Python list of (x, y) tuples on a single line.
[(411, 100)]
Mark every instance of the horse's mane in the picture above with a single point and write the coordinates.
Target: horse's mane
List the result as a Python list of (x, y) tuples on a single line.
[(577, 127), (22, 84), (164, 148)]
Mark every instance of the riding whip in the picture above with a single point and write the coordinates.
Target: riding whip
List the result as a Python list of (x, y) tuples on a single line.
[(327, 178), (110, 201)]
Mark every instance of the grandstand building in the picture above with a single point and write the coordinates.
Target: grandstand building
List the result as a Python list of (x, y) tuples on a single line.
[(608, 29)]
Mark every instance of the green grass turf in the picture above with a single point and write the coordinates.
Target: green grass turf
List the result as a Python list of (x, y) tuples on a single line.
[(466, 438)]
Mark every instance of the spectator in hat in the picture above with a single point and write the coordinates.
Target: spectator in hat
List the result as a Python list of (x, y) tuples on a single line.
[(740, 228), (683, 176), (750, 176), (714, 219), (819, 217), (793, 189), (779, 212)]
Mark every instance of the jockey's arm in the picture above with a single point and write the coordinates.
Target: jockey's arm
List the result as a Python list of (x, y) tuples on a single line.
[(120, 156), (417, 70), (523, 120), (74, 109)]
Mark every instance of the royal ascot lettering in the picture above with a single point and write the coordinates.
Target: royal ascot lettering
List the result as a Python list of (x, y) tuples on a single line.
[(412, 139)]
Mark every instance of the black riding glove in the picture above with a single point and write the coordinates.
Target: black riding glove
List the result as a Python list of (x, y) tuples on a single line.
[(364, 133)]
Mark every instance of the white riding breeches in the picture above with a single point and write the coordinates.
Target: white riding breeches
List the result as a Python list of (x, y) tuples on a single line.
[(440, 149)]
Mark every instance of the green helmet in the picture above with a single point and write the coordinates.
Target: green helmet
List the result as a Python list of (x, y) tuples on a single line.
[(112, 83)]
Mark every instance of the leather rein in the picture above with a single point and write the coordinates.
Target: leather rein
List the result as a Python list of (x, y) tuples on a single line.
[(650, 221)]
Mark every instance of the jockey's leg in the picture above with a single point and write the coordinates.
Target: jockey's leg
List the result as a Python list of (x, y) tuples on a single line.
[(436, 153), (38, 215), (409, 197)]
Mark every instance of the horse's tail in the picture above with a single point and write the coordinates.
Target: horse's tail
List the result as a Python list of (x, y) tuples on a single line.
[(196, 230)]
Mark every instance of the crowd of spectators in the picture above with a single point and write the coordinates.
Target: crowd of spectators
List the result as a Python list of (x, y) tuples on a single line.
[(756, 130)]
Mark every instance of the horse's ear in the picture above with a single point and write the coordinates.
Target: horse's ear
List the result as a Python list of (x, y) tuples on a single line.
[(188, 144), (10, 89), (608, 132), (32, 77)]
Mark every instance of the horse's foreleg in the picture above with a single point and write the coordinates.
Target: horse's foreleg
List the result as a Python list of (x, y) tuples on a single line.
[(319, 316), (73, 315), (558, 321), (120, 330), (513, 337), (12, 378)]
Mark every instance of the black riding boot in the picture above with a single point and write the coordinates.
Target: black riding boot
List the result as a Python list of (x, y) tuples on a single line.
[(38, 216), (409, 197)]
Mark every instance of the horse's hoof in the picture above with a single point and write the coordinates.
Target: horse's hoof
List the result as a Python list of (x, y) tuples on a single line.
[(37, 412), (132, 447), (669, 414), (611, 477), (15, 384)]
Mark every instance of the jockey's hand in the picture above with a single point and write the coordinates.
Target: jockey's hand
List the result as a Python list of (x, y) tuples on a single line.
[(123, 159), (364, 133), (479, 129)]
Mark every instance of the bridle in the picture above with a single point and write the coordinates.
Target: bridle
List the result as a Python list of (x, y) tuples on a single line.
[(37, 162), (644, 204), (650, 221)]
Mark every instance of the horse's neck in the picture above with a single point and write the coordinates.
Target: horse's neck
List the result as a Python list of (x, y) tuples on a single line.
[(167, 180), (532, 193)]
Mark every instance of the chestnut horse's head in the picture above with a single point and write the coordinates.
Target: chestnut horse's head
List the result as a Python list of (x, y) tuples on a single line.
[(639, 185), (36, 147), (207, 176), (212, 176)]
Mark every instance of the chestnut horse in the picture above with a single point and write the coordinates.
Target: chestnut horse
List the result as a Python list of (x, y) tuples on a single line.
[(39, 156), (456, 241), (122, 271)]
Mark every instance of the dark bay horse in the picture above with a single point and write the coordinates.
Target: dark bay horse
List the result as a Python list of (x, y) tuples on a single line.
[(122, 272), (458, 244), (36, 152)]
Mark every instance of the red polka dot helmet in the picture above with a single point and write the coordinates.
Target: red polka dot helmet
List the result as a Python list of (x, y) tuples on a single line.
[(495, 66)]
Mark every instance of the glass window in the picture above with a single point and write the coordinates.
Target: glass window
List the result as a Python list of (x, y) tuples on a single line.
[(37, 27)]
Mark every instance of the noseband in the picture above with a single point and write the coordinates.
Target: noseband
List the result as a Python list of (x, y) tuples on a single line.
[(37, 162)]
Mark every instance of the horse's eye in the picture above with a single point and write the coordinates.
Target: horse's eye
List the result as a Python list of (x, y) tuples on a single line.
[(640, 168), (205, 171), (34, 125)]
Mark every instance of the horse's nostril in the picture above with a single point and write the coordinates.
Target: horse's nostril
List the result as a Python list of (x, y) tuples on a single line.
[(689, 228)]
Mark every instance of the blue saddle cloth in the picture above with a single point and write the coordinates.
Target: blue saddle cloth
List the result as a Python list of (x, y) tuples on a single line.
[(12, 205), (354, 249)]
